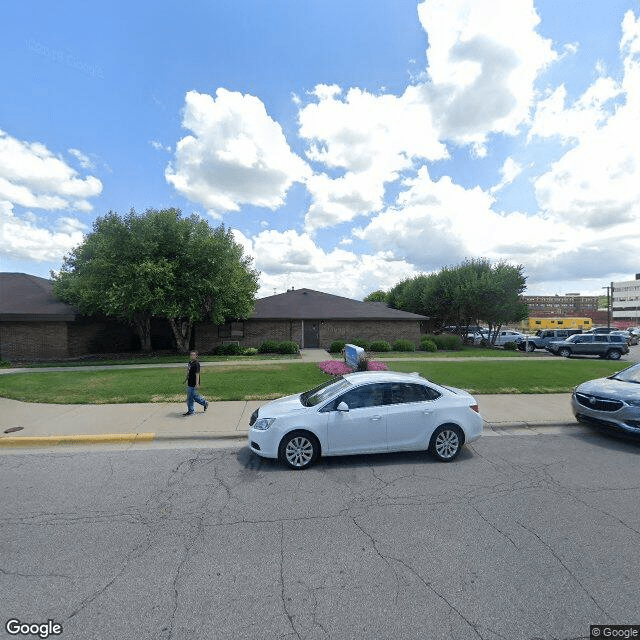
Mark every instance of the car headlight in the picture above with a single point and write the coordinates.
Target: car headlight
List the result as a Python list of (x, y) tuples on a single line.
[(262, 424)]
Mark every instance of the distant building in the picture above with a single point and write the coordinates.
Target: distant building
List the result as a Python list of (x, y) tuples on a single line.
[(625, 302), (571, 304)]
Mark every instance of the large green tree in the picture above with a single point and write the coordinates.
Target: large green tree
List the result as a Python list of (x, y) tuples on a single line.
[(376, 296), (472, 292), (159, 265)]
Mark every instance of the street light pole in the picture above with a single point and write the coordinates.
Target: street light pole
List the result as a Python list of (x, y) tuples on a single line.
[(609, 289)]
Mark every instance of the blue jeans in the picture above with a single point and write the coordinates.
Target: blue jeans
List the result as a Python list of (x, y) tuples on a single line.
[(194, 396)]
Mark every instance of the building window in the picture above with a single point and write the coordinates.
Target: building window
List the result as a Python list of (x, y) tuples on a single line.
[(231, 330)]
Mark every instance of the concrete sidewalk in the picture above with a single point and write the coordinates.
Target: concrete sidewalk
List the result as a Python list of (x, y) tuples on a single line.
[(23, 424)]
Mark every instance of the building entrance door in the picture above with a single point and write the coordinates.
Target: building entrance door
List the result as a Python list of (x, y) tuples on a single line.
[(311, 334)]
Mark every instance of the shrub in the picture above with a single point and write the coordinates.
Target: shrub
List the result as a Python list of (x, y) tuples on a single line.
[(380, 346), (510, 346), (360, 342), (269, 346), (428, 345), (404, 345), (4, 364), (337, 346), (288, 347), (444, 341), (230, 349), (250, 351)]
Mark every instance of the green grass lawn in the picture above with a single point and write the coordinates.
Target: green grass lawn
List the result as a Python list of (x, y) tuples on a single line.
[(268, 381), (465, 352)]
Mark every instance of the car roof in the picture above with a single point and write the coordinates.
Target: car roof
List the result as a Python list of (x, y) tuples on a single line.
[(366, 377)]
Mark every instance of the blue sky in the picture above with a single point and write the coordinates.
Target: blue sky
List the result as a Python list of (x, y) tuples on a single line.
[(348, 144)]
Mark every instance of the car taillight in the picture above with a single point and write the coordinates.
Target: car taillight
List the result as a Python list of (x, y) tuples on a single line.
[(475, 408)]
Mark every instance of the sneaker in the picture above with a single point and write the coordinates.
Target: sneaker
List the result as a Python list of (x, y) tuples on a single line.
[(206, 405), (189, 413)]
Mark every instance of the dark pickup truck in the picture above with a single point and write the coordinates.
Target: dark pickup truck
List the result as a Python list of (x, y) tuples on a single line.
[(543, 338), (590, 344)]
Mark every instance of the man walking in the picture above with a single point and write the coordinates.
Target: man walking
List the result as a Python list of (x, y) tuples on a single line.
[(193, 382)]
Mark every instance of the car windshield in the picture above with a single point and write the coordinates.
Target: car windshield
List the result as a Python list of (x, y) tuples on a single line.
[(324, 391), (632, 374)]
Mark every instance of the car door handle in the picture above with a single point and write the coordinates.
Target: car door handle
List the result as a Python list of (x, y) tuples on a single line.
[(376, 417), (427, 411)]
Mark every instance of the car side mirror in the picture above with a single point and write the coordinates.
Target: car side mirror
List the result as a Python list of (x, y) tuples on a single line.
[(343, 406)]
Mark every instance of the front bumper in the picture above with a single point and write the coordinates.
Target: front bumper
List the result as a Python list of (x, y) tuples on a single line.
[(264, 443), (606, 412)]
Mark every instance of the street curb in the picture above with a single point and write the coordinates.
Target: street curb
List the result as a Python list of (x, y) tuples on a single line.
[(25, 441), (135, 438)]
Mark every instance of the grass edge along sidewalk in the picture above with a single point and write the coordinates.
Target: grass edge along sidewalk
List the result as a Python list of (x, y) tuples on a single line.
[(268, 381)]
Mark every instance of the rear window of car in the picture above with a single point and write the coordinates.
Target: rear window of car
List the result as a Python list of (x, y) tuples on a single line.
[(403, 392), (617, 339)]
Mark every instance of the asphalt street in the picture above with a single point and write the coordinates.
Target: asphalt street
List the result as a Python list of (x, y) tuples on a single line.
[(523, 536)]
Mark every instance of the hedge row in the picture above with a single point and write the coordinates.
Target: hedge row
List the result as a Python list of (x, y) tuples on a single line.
[(431, 343), (268, 346), (377, 346)]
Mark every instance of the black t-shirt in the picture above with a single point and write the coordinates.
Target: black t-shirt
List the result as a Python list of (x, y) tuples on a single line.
[(192, 376)]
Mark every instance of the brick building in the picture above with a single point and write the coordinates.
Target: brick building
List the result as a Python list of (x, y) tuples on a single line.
[(35, 325), (314, 320), (570, 304)]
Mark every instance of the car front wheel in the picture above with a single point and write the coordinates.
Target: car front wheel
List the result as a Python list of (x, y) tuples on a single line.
[(531, 347), (565, 353), (298, 450), (446, 442), (614, 354)]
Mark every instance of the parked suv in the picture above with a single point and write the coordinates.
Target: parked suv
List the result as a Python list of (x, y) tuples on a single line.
[(543, 338), (590, 344)]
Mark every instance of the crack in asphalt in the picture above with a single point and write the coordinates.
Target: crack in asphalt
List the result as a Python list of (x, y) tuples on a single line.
[(564, 566)]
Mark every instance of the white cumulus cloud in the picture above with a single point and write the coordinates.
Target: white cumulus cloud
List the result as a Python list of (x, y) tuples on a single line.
[(236, 154), (32, 176), (291, 259), (596, 183), (26, 239), (483, 59)]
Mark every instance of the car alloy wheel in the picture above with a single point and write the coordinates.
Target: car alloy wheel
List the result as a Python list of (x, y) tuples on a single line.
[(565, 353), (298, 450), (614, 354), (446, 443)]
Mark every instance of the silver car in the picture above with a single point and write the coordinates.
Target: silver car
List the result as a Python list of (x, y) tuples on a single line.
[(610, 402)]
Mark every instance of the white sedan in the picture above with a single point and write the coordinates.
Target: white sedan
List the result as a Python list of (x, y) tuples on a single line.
[(366, 412), (507, 335)]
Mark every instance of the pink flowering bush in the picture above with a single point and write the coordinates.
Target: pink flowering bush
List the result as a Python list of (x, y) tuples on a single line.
[(334, 367), (338, 368)]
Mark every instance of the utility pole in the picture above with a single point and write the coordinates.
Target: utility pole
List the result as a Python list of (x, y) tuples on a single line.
[(609, 292)]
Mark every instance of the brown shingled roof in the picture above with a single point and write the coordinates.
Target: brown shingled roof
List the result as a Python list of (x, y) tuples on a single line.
[(25, 297), (307, 304)]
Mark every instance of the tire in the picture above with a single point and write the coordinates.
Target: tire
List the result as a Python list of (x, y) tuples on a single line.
[(614, 354), (446, 442), (564, 352), (531, 347), (298, 450)]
